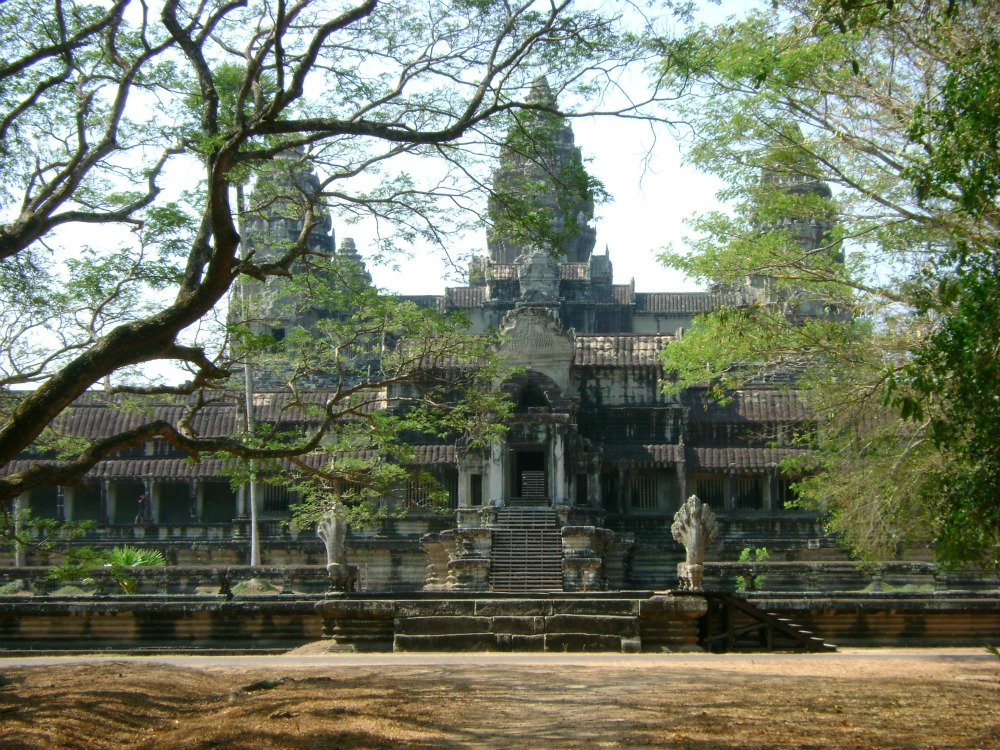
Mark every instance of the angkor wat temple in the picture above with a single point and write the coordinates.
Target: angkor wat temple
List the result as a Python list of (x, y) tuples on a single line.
[(580, 492)]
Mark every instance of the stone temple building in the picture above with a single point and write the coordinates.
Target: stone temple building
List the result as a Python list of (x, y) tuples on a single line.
[(580, 492)]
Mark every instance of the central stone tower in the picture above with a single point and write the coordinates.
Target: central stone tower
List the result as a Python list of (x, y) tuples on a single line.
[(542, 194)]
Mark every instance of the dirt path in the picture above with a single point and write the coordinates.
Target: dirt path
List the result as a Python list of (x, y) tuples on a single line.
[(874, 699)]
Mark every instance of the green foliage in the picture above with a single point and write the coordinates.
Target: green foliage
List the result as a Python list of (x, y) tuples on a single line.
[(858, 145), (12, 588), (406, 376), (77, 565), (752, 582), (394, 111), (122, 561)]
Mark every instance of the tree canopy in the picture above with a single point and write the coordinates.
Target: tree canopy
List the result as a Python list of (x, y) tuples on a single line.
[(865, 129), (128, 130)]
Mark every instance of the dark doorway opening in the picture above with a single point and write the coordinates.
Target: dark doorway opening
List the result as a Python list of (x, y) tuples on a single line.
[(530, 472)]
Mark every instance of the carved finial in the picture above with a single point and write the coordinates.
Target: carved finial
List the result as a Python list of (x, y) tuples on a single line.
[(695, 527), (332, 529)]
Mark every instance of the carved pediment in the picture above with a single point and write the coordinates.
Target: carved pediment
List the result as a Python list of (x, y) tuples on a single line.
[(534, 339)]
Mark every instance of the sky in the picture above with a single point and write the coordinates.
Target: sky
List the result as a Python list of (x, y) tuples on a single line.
[(651, 199), (652, 192)]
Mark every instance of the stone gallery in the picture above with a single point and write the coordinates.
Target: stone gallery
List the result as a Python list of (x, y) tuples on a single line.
[(580, 492)]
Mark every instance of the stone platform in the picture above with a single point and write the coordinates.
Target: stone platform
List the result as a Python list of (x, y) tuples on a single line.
[(622, 621)]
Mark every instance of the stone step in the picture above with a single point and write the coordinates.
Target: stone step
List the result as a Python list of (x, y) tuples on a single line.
[(551, 642), (526, 551), (622, 626), (627, 624)]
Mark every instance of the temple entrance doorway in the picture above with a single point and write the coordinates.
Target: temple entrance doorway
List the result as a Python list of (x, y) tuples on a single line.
[(531, 477)]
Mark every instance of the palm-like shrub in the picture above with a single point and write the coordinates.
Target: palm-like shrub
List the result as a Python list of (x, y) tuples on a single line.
[(123, 559)]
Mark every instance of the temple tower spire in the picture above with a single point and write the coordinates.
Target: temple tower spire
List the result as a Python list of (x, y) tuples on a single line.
[(543, 196)]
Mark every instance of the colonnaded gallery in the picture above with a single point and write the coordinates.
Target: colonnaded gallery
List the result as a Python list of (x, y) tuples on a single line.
[(594, 463)]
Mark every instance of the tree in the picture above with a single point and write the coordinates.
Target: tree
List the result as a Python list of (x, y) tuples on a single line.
[(129, 129), (883, 115)]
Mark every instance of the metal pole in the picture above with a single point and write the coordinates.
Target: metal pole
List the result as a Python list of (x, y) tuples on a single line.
[(248, 389)]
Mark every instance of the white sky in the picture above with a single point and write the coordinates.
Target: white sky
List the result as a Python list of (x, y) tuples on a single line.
[(651, 198)]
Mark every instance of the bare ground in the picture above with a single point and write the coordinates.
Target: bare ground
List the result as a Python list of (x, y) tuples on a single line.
[(914, 699)]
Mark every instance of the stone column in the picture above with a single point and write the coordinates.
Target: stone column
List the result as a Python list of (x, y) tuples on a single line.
[(152, 490), (112, 501), (61, 514), (620, 499), (242, 500), (464, 501), (64, 504), (105, 515), (557, 481), (497, 474), (594, 488), (681, 479), (19, 554), (199, 498)]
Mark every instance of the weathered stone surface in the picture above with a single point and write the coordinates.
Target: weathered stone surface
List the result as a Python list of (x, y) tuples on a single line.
[(594, 624), (451, 642), (623, 607), (442, 625), (670, 623), (436, 607), (518, 625), (582, 642), (631, 645), (661, 606), (365, 609), (352, 642), (514, 642), (513, 607)]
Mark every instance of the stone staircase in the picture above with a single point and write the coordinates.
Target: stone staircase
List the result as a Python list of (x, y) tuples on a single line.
[(732, 623), (527, 551), (621, 621), (624, 622)]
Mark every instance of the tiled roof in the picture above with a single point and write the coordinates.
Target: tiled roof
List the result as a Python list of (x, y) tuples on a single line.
[(738, 459), (423, 455), (661, 455), (656, 455), (94, 418), (502, 271), (95, 415), (619, 350), (465, 296), (624, 294), (435, 454), (139, 468), (424, 301), (574, 271), (166, 469), (678, 302), (749, 405)]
